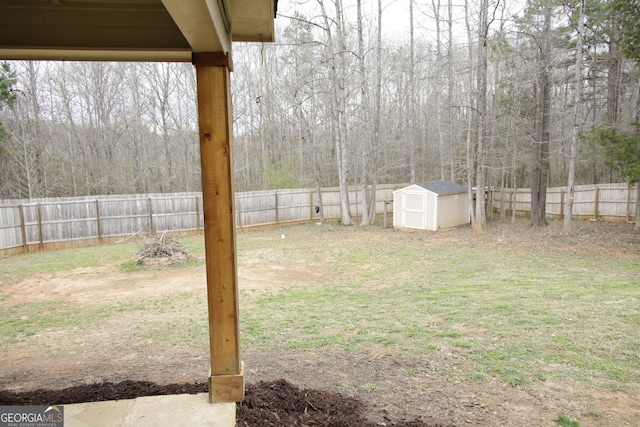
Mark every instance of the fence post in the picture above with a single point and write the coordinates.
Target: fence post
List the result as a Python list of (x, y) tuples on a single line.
[(197, 215), (595, 202), (356, 194), (636, 213), (98, 224), (276, 194), (511, 202), (236, 201), (384, 214), (490, 203), (151, 226), (628, 203), (39, 212), (23, 228), (561, 203)]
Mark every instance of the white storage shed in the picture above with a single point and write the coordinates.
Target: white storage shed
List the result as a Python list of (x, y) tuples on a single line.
[(431, 206)]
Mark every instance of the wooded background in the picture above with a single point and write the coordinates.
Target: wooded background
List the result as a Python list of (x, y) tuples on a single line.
[(484, 93)]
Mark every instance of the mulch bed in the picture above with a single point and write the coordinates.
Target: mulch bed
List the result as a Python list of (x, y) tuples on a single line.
[(274, 403)]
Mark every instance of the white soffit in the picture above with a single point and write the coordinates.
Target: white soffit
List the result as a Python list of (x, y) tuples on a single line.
[(131, 30), (250, 20)]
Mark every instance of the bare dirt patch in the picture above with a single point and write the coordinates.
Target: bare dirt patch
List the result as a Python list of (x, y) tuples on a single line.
[(391, 386), (95, 285)]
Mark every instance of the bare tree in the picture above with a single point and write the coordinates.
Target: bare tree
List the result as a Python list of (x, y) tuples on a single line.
[(338, 102), (365, 140), (450, 84), (471, 117), (479, 218), (577, 119), (413, 114), (438, 84), (540, 152), (335, 57)]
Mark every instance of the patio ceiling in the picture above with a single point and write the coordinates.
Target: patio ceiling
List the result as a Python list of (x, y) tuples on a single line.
[(198, 31), (135, 30)]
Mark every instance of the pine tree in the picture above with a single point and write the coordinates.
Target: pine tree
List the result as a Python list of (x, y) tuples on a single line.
[(628, 11), (7, 94)]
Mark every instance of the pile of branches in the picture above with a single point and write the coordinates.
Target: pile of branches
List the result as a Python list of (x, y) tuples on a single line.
[(161, 250)]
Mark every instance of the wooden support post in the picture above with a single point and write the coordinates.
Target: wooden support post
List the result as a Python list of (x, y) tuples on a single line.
[(596, 201), (226, 379)]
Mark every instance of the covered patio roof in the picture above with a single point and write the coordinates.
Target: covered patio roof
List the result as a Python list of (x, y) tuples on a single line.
[(130, 30), (197, 31)]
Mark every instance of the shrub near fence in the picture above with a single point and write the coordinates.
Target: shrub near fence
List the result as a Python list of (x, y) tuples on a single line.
[(52, 223)]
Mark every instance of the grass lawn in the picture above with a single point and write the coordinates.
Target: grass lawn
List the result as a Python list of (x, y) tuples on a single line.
[(513, 312), (519, 314)]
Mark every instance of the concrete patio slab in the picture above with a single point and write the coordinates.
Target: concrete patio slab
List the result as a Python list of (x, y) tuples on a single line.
[(152, 411)]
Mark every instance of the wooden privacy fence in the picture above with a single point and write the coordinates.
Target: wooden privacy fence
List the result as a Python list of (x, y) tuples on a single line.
[(608, 202), (61, 222)]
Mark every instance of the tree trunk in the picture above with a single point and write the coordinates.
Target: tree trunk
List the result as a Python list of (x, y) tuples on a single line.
[(435, 5), (637, 227), (340, 85), (577, 110), (540, 157), (613, 75), (40, 185), (481, 107), (377, 117), (412, 98), (337, 73), (471, 116), (450, 80), (365, 139)]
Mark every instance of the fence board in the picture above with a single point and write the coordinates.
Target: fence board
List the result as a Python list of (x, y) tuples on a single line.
[(614, 202), (38, 222), (31, 223)]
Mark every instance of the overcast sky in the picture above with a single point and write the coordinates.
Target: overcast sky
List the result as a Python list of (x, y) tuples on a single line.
[(395, 18)]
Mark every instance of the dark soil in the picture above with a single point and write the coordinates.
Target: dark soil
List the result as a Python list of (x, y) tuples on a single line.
[(274, 403), (98, 393)]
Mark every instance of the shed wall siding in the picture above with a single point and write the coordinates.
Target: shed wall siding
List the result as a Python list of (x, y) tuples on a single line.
[(418, 207), (430, 211), (453, 210)]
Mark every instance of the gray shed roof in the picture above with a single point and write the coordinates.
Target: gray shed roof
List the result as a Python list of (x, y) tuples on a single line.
[(443, 187)]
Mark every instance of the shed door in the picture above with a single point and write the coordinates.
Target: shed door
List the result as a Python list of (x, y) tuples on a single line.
[(413, 210)]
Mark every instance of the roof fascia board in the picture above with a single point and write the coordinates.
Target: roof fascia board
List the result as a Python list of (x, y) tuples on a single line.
[(203, 23), (96, 55)]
